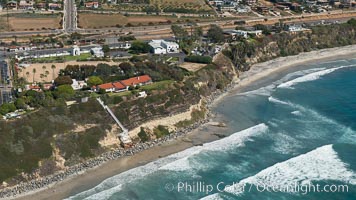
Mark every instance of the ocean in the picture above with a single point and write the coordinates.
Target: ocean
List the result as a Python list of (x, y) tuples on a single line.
[(292, 136)]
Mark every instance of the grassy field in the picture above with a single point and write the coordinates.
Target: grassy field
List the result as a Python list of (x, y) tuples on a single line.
[(66, 58), (198, 5), (88, 20), (162, 85), (30, 22)]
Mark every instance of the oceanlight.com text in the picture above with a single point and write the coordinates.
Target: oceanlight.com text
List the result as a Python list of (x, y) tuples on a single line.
[(300, 188)]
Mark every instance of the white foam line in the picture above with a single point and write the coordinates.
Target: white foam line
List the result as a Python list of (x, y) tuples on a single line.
[(176, 162), (317, 165), (310, 77), (266, 91)]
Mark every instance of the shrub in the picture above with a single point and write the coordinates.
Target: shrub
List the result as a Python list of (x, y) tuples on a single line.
[(199, 59)]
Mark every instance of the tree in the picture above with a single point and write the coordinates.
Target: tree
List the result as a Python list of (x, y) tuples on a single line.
[(27, 75), (262, 27), (94, 80), (106, 49), (20, 103), (352, 22), (144, 137), (179, 32), (53, 67), (33, 73), (63, 80), (64, 91), (138, 47), (216, 34), (6, 108)]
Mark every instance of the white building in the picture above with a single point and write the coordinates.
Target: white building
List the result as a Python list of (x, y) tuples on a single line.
[(75, 51), (164, 47), (297, 28), (97, 52), (78, 85)]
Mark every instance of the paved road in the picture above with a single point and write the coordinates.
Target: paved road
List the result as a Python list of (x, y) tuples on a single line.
[(70, 16), (5, 88)]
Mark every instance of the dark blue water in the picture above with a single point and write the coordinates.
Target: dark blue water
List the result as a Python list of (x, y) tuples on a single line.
[(294, 138)]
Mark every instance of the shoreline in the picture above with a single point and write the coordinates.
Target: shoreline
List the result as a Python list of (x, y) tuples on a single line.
[(93, 171)]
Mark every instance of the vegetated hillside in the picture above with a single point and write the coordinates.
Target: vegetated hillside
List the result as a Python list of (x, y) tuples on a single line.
[(29, 142), (176, 97), (56, 135), (247, 52)]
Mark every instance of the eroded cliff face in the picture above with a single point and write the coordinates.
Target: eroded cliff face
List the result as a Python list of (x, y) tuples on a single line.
[(245, 53)]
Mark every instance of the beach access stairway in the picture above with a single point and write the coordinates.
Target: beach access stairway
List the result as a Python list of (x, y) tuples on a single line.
[(124, 135)]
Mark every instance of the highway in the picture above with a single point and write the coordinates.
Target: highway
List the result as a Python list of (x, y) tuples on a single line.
[(70, 16), (5, 89)]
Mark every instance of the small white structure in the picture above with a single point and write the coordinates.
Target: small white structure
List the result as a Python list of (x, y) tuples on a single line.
[(97, 52), (142, 94), (78, 85), (164, 47), (297, 28), (75, 51)]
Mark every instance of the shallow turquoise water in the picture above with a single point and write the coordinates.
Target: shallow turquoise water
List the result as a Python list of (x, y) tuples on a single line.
[(294, 138)]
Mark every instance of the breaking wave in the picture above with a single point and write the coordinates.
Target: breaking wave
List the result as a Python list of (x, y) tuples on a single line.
[(176, 162), (320, 164), (310, 77)]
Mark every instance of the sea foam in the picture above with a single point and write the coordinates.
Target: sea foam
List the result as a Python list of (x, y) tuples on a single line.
[(310, 77), (175, 162), (317, 165)]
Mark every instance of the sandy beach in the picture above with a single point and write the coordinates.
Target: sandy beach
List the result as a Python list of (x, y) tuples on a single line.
[(203, 134)]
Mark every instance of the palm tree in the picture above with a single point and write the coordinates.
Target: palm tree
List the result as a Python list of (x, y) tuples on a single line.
[(33, 73), (42, 76), (43, 68), (53, 68), (27, 74)]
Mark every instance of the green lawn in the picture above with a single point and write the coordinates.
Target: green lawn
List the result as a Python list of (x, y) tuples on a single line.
[(157, 85), (120, 94), (83, 56)]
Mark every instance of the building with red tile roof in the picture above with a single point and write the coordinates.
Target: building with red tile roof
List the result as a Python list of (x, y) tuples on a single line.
[(124, 85), (135, 81)]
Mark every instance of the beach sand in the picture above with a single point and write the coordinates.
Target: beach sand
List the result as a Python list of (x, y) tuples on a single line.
[(203, 134)]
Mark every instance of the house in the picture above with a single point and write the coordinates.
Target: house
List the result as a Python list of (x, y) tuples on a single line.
[(54, 6), (297, 28), (33, 87), (111, 87), (41, 5), (137, 81), (108, 87), (26, 5), (163, 47), (124, 85), (78, 85), (12, 5), (119, 87), (256, 33), (47, 86), (94, 4)]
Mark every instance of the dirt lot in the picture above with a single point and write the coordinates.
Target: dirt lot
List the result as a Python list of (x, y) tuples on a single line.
[(34, 23), (87, 20), (193, 67), (42, 76)]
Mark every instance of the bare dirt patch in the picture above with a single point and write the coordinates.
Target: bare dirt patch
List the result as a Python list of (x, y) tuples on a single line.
[(193, 67), (35, 23), (89, 20), (44, 73)]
